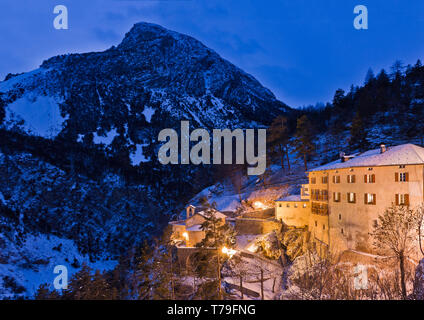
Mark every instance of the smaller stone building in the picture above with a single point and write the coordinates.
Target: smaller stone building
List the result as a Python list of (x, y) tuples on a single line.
[(257, 222), (187, 233), (293, 211)]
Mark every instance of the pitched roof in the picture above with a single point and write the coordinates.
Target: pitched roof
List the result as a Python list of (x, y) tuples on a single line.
[(215, 213), (398, 155), (195, 227), (294, 197)]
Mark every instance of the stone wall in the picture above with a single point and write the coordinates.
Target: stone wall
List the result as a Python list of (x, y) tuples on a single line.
[(184, 253), (293, 213), (256, 226)]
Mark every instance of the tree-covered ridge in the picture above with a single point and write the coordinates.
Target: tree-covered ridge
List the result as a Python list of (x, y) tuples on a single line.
[(395, 98), (388, 107)]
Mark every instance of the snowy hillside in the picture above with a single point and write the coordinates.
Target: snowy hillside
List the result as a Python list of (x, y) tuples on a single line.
[(28, 263), (78, 148), (154, 72)]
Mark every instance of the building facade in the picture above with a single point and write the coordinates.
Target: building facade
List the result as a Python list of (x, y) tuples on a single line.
[(293, 211), (188, 233)]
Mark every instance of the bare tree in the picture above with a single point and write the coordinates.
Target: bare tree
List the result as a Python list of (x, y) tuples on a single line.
[(239, 269), (396, 232), (420, 221)]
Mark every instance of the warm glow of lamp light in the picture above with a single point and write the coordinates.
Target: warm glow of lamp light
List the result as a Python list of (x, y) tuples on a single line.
[(229, 252), (185, 235), (259, 205)]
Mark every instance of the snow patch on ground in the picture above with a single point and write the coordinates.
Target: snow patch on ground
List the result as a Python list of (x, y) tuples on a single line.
[(247, 242), (32, 263), (41, 115), (137, 157), (148, 113), (106, 139), (21, 80)]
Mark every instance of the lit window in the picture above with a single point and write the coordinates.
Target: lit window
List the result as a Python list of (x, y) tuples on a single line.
[(336, 179), (336, 196), (402, 199), (370, 198), (369, 178)]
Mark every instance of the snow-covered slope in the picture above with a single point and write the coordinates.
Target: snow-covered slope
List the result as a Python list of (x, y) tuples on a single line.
[(74, 129), (28, 263), (49, 217)]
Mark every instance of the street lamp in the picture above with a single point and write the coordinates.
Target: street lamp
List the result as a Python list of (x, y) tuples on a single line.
[(185, 236), (259, 205), (229, 252)]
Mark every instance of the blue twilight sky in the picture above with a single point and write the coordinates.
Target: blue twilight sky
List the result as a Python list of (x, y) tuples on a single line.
[(303, 50)]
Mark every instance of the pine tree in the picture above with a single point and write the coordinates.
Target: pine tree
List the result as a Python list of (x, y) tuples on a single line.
[(164, 273), (304, 139), (278, 139), (143, 272), (2, 113), (397, 69), (358, 135), (218, 235), (44, 293), (100, 289), (338, 99), (79, 285), (235, 173), (369, 76), (158, 272), (335, 129)]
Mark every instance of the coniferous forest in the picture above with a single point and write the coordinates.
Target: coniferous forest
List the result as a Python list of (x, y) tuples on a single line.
[(150, 271)]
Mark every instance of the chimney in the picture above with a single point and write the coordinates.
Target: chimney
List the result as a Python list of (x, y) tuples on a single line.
[(189, 210), (342, 156), (382, 148)]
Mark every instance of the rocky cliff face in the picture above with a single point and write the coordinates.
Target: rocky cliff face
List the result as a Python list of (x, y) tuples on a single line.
[(153, 72)]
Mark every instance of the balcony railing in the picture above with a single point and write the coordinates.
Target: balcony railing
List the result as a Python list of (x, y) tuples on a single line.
[(319, 197), (320, 209)]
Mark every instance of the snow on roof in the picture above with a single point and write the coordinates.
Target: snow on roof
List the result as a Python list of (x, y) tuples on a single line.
[(398, 155), (294, 197), (178, 222), (195, 227), (216, 214)]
